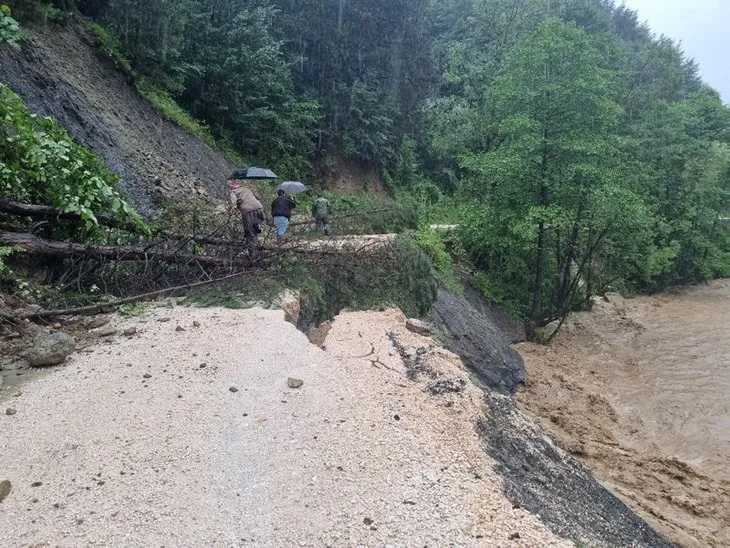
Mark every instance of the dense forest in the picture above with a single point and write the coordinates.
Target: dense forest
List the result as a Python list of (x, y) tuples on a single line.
[(576, 151)]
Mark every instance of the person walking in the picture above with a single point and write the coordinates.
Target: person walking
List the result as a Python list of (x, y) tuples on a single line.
[(252, 213), (281, 209), (321, 210)]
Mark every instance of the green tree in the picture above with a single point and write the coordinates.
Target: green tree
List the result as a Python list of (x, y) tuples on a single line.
[(545, 186)]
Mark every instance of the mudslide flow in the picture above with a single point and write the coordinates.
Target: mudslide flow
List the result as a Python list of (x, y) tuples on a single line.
[(640, 390)]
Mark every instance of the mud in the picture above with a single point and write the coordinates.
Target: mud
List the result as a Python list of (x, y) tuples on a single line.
[(59, 73), (638, 391)]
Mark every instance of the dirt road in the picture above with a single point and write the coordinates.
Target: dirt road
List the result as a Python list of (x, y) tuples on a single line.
[(187, 433)]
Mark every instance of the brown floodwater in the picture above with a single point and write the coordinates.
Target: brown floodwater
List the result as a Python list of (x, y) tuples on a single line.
[(678, 379), (639, 390)]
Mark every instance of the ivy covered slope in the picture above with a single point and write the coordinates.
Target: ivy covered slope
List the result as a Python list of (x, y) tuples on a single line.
[(41, 164)]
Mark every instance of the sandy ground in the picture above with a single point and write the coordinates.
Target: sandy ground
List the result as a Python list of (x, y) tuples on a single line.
[(638, 390), (141, 441)]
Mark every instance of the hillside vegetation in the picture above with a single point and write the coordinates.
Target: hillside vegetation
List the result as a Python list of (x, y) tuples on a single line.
[(576, 151)]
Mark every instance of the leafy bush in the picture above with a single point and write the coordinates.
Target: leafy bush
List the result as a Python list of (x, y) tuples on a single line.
[(433, 244), (10, 31), (40, 163)]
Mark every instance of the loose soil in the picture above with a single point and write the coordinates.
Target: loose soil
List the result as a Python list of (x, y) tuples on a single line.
[(188, 433), (638, 390), (59, 73)]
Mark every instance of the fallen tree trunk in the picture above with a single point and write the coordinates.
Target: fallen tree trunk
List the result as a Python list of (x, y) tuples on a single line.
[(34, 245), (111, 304), (49, 213)]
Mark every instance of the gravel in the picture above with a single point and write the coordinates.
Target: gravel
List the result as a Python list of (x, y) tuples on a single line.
[(179, 460)]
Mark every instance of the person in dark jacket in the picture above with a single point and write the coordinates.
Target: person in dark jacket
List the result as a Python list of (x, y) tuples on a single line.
[(281, 209)]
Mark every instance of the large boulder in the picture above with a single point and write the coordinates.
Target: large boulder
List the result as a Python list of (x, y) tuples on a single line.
[(483, 347), (50, 349)]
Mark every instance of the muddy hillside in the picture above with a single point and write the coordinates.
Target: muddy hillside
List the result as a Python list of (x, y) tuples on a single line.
[(59, 73)]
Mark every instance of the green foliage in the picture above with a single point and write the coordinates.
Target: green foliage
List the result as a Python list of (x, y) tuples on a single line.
[(433, 245), (5, 252), (40, 163), (110, 46), (10, 31), (398, 275), (371, 214)]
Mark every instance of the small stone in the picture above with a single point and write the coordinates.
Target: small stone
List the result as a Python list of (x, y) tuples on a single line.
[(233, 389), (294, 383), (418, 326), (396, 417), (513, 536), (203, 365), (179, 328), (97, 321), (10, 411), (5, 488), (163, 320), (108, 331), (129, 331), (36, 484), (146, 376), (57, 325), (368, 521), (196, 323)]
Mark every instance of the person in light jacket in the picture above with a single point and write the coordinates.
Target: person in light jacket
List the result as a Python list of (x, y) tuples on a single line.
[(252, 212)]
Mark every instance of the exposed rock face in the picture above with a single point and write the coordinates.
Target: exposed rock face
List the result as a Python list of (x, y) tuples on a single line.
[(481, 345), (51, 349)]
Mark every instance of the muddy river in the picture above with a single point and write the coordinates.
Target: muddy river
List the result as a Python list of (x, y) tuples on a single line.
[(639, 389)]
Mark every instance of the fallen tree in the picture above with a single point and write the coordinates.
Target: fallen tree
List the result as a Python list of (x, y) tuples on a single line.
[(48, 213), (33, 245)]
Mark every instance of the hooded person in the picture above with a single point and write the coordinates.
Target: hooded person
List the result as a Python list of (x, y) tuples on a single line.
[(281, 209), (321, 210), (252, 212)]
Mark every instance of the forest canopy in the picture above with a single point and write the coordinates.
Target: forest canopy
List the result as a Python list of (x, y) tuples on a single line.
[(578, 151)]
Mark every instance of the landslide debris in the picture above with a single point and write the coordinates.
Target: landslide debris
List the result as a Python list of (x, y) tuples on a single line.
[(58, 72)]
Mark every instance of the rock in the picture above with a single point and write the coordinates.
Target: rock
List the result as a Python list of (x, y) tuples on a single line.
[(233, 389), (289, 302), (294, 383), (5, 488), (108, 331), (51, 349), (57, 325), (418, 326), (179, 328), (15, 366), (196, 323), (10, 411), (546, 331), (129, 331), (163, 320), (318, 334), (97, 321), (478, 341)]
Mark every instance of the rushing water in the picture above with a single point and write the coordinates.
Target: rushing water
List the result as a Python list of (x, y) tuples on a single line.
[(677, 377)]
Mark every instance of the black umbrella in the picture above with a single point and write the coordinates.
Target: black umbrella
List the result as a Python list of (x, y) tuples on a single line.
[(253, 173)]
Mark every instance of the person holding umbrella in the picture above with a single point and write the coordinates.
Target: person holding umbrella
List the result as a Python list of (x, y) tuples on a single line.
[(281, 209), (252, 212)]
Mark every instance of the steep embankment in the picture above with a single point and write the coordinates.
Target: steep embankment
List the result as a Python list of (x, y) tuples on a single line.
[(59, 73), (638, 390)]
